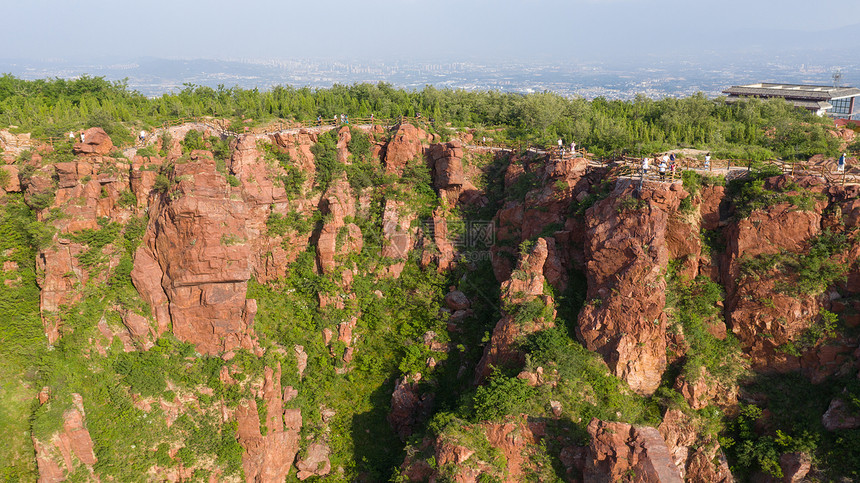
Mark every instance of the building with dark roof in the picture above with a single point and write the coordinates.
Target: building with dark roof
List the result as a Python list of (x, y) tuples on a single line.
[(838, 102)]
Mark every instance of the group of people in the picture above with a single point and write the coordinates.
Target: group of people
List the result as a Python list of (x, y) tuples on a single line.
[(667, 164), (561, 147)]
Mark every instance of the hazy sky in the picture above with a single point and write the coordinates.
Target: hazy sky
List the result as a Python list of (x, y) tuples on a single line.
[(85, 30)]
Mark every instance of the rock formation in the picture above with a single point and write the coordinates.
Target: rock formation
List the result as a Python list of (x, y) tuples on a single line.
[(627, 257)]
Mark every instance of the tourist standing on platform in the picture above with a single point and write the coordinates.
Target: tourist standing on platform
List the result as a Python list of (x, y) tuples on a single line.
[(573, 148), (840, 165), (560, 147), (646, 165), (708, 161), (662, 169)]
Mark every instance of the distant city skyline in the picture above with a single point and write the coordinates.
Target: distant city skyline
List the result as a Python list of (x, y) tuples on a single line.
[(153, 77)]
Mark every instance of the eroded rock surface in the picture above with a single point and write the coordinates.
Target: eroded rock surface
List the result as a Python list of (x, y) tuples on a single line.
[(627, 255)]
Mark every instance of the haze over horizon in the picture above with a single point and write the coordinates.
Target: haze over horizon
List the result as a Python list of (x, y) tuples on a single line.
[(385, 29)]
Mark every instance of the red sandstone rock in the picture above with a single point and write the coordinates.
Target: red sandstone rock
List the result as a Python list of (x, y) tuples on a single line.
[(404, 146), (456, 300), (96, 142), (73, 443), (438, 248), (526, 284), (704, 390), (199, 242), (699, 458), (398, 235), (620, 449), (409, 407), (762, 317), (315, 462), (795, 467), (840, 415), (267, 458), (627, 256), (13, 184)]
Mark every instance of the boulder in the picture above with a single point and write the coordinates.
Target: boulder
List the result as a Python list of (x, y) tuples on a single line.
[(840, 415), (96, 142), (618, 450)]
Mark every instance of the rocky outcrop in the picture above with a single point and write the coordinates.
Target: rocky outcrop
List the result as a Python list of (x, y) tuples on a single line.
[(409, 407), (620, 450), (517, 439), (72, 446), (627, 255), (758, 313), (449, 178), (405, 145), (437, 245), (315, 462), (840, 415), (87, 191), (337, 203), (705, 389), (398, 235), (268, 458), (699, 458), (95, 141), (526, 286), (197, 237), (12, 183)]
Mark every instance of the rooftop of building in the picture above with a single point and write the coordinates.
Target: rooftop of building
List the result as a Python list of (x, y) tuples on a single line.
[(793, 91)]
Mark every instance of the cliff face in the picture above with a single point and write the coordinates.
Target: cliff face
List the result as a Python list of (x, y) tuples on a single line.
[(627, 255), (288, 277)]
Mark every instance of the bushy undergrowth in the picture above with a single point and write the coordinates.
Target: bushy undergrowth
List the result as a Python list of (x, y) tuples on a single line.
[(695, 307), (809, 272), (754, 440), (749, 194)]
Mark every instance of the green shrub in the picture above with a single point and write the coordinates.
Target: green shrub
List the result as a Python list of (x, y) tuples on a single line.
[(278, 224), (325, 157), (166, 141), (629, 203), (748, 193), (193, 140), (162, 183), (147, 152), (811, 272), (40, 201), (695, 305), (127, 199), (520, 188), (502, 396)]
